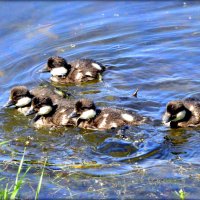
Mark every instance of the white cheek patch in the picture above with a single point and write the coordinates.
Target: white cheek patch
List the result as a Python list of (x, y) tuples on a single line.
[(179, 116), (88, 74), (44, 110), (59, 71), (89, 114), (23, 101), (127, 117), (95, 65)]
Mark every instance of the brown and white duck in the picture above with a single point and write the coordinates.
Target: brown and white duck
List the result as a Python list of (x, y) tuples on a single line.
[(89, 117), (182, 113), (49, 114), (78, 71), (21, 97)]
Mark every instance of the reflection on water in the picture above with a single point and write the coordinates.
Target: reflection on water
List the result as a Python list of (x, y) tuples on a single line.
[(148, 45)]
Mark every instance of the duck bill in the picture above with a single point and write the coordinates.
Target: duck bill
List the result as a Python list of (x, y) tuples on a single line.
[(31, 111), (167, 118), (73, 115), (9, 103)]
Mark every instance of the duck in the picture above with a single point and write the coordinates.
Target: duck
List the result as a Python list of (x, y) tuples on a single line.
[(89, 117), (21, 97), (77, 71), (182, 113), (48, 114)]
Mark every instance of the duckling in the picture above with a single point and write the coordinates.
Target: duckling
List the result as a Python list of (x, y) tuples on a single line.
[(21, 97), (78, 71), (88, 117), (182, 113), (49, 114)]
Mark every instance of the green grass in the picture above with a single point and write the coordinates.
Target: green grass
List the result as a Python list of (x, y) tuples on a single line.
[(40, 182), (182, 194), (19, 182), (13, 191)]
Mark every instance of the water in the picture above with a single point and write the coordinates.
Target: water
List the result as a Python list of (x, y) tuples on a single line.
[(153, 46)]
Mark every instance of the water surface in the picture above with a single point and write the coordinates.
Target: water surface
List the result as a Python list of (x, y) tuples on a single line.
[(153, 46)]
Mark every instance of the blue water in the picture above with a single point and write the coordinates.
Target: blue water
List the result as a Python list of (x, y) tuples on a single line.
[(153, 46)]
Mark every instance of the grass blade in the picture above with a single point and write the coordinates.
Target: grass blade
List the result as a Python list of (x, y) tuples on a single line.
[(4, 142), (18, 185), (40, 182), (5, 196), (20, 167)]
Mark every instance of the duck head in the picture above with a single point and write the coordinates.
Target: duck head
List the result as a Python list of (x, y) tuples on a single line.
[(19, 97), (41, 105), (85, 109), (175, 112), (57, 66)]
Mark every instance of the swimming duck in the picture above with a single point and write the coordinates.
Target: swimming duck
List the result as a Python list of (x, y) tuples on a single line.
[(182, 113), (89, 117), (21, 97), (77, 71), (49, 114)]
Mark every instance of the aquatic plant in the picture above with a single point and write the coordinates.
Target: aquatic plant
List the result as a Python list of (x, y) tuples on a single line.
[(181, 193), (40, 182), (12, 192)]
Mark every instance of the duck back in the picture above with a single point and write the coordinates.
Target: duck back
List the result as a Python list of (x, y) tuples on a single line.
[(109, 118)]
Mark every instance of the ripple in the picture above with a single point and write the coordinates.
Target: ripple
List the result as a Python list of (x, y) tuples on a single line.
[(153, 47)]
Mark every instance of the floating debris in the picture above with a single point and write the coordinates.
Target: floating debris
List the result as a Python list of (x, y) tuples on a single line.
[(135, 94), (72, 45)]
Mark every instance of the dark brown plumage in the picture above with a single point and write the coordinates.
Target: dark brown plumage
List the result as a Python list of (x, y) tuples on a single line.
[(19, 92), (78, 71), (21, 97), (182, 113), (89, 117), (49, 114), (46, 92)]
